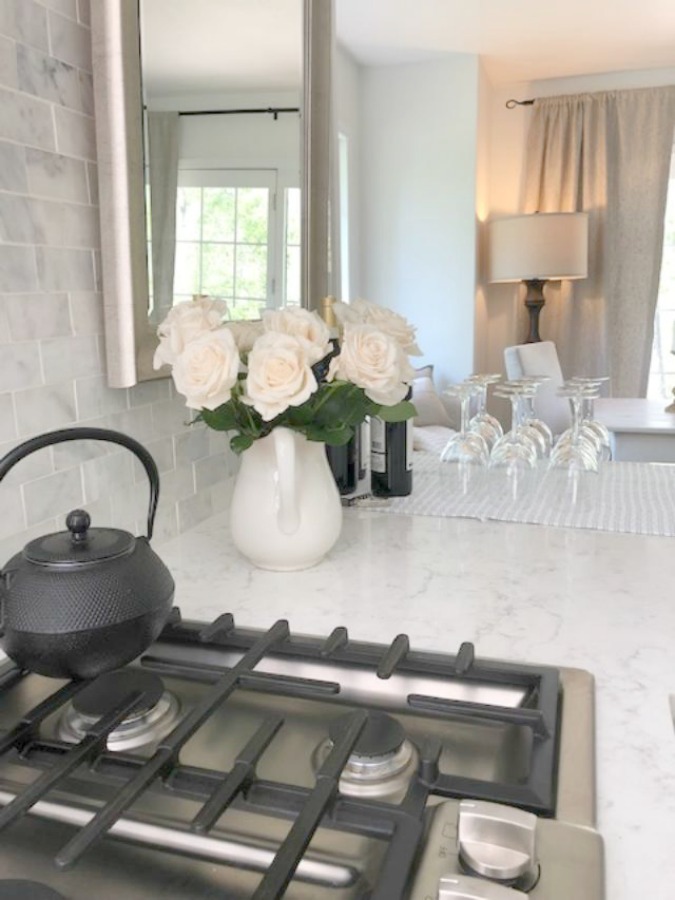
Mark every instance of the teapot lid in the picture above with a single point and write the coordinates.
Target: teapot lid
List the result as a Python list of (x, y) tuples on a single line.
[(79, 544)]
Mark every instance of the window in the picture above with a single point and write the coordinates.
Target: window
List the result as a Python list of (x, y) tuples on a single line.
[(232, 243), (292, 252), (343, 182), (662, 370)]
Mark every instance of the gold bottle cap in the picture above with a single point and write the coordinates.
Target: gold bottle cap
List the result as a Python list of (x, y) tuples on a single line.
[(327, 312)]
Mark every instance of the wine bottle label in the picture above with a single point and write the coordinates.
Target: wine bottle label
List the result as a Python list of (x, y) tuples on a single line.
[(378, 445)]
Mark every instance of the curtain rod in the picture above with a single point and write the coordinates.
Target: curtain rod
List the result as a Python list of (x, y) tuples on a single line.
[(510, 104), (271, 110)]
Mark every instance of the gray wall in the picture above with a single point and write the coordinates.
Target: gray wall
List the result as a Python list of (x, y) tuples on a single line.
[(52, 370)]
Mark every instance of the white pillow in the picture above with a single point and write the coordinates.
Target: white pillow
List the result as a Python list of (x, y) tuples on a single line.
[(429, 406)]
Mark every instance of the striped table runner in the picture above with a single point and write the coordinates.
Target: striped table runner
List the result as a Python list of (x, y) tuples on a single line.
[(635, 498)]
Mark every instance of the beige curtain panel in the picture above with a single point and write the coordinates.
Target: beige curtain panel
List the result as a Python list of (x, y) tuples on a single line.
[(163, 141), (607, 154)]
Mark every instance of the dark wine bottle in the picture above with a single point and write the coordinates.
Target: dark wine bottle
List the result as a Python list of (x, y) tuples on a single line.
[(343, 460), (391, 457), (344, 463)]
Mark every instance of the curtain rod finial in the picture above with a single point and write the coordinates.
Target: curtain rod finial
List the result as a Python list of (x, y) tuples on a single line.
[(511, 104)]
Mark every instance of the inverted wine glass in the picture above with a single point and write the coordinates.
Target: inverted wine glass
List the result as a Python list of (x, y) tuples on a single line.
[(575, 450), (482, 422), (589, 424), (465, 446), (531, 385), (516, 449)]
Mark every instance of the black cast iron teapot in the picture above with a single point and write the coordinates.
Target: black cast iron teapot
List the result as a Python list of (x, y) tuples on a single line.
[(87, 600)]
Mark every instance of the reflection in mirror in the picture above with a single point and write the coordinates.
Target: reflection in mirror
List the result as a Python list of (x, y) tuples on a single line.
[(236, 206), (221, 92)]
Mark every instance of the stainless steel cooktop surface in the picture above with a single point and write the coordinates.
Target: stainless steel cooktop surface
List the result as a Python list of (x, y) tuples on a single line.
[(229, 762)]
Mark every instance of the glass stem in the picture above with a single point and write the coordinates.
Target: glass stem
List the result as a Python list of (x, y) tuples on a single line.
[(481, 402), (464, 413), (576, 416), (515, 408)]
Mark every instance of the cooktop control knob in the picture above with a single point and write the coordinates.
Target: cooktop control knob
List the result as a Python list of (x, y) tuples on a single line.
[(497, 841), (466, 887)]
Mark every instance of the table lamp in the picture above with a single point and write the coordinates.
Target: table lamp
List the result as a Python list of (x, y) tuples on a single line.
[(537, 248)]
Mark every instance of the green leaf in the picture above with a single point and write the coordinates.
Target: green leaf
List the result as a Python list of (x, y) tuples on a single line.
[(336, 437), (299, 415), (341, 403), (240, 442), (223, 418), (398, 413)]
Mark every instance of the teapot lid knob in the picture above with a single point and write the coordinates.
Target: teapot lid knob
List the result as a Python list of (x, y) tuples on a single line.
[(80, 544), (78, 522)]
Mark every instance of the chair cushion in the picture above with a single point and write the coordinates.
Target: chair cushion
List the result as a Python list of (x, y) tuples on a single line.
[(429, 406), (541, 359)]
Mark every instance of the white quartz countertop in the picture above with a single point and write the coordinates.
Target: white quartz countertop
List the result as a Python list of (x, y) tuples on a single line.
[(555, 596)]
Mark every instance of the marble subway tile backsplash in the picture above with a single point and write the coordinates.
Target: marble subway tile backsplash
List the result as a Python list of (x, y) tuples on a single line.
[(52, 360)]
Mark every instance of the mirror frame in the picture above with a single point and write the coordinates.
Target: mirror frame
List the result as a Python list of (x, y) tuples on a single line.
[(130, 340)]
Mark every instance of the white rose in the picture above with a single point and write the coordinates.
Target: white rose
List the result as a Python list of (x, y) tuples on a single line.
[(374, 361), (279, 374), (303, 324), (391, 323), (183, 323), (206, 371), (245, 333)]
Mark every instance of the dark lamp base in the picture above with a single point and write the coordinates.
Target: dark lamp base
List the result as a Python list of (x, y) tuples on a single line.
[(534, 301)]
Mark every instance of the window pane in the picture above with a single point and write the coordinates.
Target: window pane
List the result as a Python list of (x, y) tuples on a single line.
[(218, 269), (241, 308), (666, 325), (186, 278), (188, 213), (292, 276), (661, 378), (293, 216), (252, 272), (219, 207), (252, 206)]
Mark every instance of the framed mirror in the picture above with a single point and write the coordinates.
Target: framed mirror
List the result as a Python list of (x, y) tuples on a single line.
[(212, 129)]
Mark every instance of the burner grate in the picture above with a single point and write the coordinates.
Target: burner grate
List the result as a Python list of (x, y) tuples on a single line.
[(400, 826)]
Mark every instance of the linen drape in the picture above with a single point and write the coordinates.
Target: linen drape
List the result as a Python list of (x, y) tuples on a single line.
[(163, 138), (607, 154)]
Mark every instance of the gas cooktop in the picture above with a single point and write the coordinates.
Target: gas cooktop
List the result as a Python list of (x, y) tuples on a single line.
[(228, 762)]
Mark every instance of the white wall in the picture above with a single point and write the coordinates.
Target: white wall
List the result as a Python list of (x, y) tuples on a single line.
[(417, 136), (348, 123), (240, 141)]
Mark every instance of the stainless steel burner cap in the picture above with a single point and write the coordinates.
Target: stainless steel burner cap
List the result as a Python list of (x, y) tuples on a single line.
[(151, 719), (383, 760)]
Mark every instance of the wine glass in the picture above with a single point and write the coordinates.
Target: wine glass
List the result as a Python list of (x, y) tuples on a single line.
[(589, 424), (465, 446), (531, 384), (575, 450), (516, 449), (482, 422)]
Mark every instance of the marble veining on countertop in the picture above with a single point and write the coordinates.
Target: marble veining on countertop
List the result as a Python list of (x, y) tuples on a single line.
[(555, 596)]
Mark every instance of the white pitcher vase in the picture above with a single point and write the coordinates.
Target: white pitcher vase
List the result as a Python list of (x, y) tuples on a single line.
[(286, 512)]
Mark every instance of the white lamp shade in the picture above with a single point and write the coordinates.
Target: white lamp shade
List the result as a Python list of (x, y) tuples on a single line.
[(547, 246)]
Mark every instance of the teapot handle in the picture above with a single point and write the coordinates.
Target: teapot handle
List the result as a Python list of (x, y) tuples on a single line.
[(90, 434), (288, 515)]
